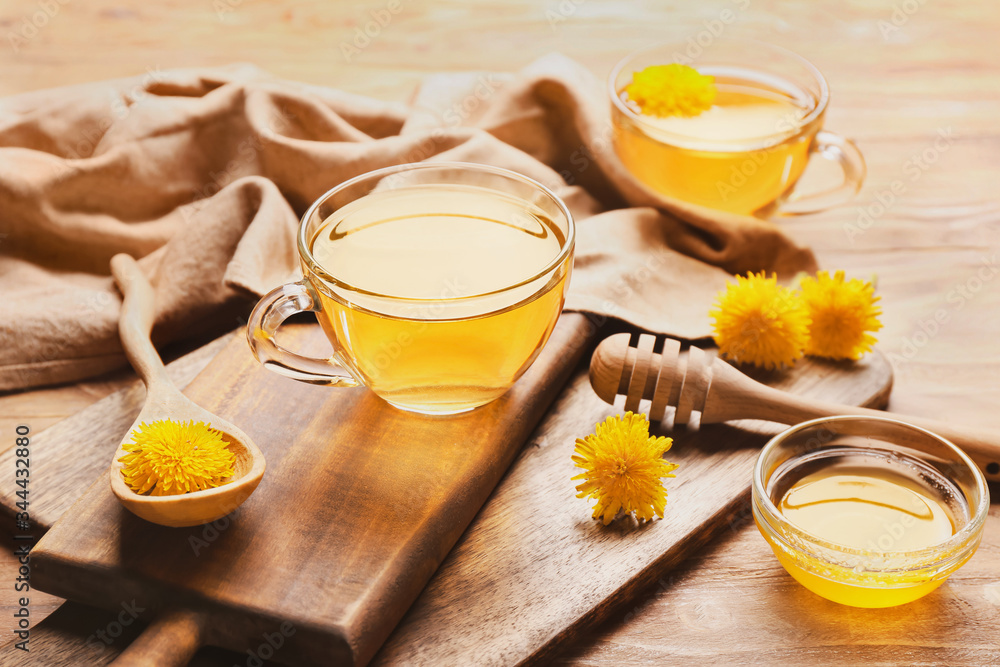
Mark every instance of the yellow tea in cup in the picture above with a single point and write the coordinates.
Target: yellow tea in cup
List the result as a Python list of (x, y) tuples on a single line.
[(425, 246), (436, 283), (728, 157), (746, 152)]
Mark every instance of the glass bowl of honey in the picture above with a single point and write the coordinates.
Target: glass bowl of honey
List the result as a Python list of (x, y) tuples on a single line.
[(868, 511)]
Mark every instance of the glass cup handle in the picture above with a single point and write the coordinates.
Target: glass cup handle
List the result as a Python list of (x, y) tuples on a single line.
[(835, 148), (274, 308)]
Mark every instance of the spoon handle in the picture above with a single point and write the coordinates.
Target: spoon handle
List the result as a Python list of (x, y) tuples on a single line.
[(136, 321)]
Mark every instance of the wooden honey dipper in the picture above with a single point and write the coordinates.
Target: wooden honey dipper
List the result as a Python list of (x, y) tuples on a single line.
[(696, 381)]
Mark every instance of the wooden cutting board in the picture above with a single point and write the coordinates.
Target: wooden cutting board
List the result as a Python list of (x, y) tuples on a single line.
[(359, 505), (534, 571)]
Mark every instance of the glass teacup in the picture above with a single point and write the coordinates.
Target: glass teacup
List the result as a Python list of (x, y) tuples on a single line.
[(746, 153), (436, 283)]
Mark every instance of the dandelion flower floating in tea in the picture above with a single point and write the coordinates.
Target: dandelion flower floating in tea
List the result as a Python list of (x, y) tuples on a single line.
[(760, 322), (623, 468), (672, 90), (168, 457), (842, 314)]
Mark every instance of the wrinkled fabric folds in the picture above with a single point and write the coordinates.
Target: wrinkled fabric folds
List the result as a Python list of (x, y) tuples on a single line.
[(202, 174)]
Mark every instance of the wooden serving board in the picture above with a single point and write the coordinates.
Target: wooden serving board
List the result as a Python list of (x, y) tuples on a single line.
[(533, 571), (359, 505)]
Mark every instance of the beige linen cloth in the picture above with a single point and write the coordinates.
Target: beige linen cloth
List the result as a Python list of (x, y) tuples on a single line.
[(204, 173)]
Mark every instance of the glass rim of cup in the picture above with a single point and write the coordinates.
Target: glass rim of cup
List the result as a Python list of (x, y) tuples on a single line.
[(963, 538), (564, 250), (817, 109)]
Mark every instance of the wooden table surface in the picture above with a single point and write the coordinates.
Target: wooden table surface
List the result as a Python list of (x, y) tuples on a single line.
[(915, 83)]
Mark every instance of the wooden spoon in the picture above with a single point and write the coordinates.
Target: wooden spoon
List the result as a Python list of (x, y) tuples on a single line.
[(165, 401), (696, 381)]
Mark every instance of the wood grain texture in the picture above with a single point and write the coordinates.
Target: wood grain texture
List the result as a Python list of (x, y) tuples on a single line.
[(706, 383), (353, 518), (732, 604), (534, 571), (68, 456), (897, 82), (75, 635)]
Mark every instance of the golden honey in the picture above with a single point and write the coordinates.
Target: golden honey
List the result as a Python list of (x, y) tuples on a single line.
[(868, 508), (872, 507), (446, 313), (868, 512)]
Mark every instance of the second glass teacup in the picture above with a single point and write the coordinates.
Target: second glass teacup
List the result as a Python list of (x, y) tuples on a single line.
[(437, 284), (746, 153)]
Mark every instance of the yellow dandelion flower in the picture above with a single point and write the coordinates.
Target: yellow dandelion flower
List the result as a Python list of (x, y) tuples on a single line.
[(842, 314), (672, 90), (760, 322), (623, 466), (169, 457)]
